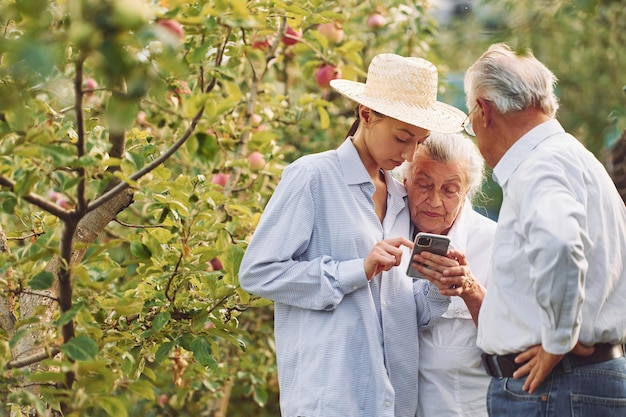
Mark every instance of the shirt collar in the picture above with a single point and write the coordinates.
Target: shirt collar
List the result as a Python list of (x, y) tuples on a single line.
[(354, 172), (520, 150), (459, 232), (352, 167), (396, 193)]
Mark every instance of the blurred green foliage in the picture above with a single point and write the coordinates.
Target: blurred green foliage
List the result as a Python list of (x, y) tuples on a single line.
[(162, 327)]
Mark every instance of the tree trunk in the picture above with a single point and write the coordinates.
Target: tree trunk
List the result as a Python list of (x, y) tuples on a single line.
[(89, 228)]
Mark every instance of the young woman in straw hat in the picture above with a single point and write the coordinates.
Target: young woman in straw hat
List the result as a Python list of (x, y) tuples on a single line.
[(331, 250)]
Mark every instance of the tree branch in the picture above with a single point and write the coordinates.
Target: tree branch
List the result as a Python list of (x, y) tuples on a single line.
[(145, 170), (38, 201), (7, 304), (37, 357)]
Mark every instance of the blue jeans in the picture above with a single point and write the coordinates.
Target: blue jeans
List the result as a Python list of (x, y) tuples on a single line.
[(586, 391)]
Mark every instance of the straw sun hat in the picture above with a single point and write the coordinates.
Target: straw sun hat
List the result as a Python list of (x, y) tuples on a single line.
[(404, 88)]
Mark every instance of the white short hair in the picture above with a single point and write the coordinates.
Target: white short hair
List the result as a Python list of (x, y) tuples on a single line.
[(452, 148), (512, 80)]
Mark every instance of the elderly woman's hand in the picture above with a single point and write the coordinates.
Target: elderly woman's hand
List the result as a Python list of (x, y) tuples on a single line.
[(431, 267), (472, 291), (452, 275)]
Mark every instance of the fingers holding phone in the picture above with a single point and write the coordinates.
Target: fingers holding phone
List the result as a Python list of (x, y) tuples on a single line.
[(431, 267)]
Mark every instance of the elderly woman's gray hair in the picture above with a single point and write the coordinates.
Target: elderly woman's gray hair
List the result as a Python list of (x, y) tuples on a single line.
[(453, 148), (512, 81)]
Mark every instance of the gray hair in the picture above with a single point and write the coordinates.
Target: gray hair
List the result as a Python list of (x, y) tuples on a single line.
[(453, 148), (512, 81)]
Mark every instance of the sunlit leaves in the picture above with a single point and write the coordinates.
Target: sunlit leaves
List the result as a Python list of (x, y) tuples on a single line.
[(123, 307), (114, 407), (159, 285)]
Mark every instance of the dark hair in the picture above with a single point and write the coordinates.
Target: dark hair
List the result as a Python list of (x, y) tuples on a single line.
[(355, 124)]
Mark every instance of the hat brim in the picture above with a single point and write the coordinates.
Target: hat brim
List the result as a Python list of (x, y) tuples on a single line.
[(439, 117)]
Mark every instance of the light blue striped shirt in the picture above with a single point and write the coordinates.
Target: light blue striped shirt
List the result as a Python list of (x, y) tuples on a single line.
[(345, 347)]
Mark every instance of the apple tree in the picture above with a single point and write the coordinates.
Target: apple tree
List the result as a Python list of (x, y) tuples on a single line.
[(139, 143), (580, 41)]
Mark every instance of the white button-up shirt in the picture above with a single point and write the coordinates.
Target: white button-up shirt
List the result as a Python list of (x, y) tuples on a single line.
[(345, 347), (453, 382), (559, 260)]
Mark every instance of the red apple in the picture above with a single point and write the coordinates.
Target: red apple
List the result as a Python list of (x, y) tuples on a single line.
[(325, 74), (141, 118), (256, 160), (259, 128), (181, 87), (163, 399), (376, 20), (332, 31), (256, 119), (89, 84), (53, 196), (292, 36), (60, 199), (173, 27), (216, 264), (178, 89), (64, 202), (262, 44), (220, 179)]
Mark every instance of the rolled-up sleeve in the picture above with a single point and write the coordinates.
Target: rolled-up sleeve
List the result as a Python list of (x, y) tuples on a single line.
[(431, 304)]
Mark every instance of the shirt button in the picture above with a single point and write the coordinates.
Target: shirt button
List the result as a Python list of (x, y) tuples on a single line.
[(387, 404), (384, 304)]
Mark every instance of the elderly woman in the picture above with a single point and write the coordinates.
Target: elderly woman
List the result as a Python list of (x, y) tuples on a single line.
[(445, 174)]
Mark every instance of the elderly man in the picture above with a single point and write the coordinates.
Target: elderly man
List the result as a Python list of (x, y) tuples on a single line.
[(553, 322)]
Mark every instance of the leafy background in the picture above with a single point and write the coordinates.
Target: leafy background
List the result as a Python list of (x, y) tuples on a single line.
[(120, 246)]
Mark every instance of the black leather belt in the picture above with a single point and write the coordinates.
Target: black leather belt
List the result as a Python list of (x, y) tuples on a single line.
[(503, 366)]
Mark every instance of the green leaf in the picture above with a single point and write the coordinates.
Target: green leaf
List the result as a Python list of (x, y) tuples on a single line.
[(121, 114), (24, 397), (201, 349), (17, 336), (80, 348), (140, 250), (324, 117), (42, 281), (113, 406), (142, 388), (260, 395), (123, 307), (46, 377), (102, 381), (67, 316), (163, 351), (24, 185), (161, 320), (232, 259)]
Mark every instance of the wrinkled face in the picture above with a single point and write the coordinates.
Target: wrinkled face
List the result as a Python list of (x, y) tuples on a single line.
[(391, 142), (436, 193)]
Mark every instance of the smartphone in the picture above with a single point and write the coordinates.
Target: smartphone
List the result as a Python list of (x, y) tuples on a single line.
[(429, 242)]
